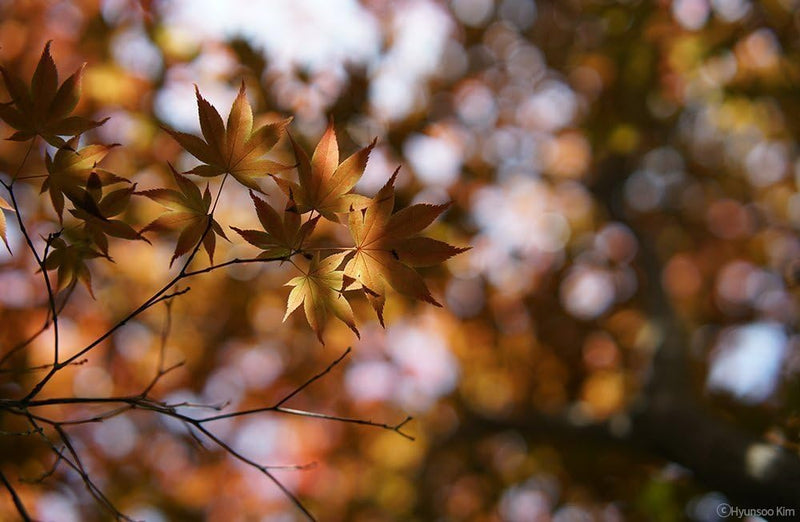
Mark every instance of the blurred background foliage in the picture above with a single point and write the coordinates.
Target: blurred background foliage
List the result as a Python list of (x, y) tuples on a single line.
[(564, 132)]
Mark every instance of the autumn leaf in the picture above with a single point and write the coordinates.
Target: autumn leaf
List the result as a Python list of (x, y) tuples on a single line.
[(189, 211), (281, 236), (97, 210), (44, 108), (70, 261), (4, 205), (321, 292), (237, 150), (325, 184), (387, 248), (69, 170)]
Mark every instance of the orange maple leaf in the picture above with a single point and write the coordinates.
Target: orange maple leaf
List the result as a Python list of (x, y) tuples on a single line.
[(387, 248), (70, 260), (321, 292), (189, 209), (97, 211), (69, 170), (325, 184), (44, 108), (281, 237), (237, 150)]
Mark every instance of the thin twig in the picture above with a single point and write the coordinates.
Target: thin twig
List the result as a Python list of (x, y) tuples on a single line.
[(21, 164), (15, 497), (22, 345), (41, 478), (397, 428), (98, 418), (197, 426), (93, 489), (278, 407), (194, 423), (76, 465), (155, 298), (237, 261), (167, 297), (316, 377), (263, 469), (40, 262), (30, 369)]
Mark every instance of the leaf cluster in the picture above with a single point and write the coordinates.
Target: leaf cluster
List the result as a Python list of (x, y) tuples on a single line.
[(42, 109), (386, 247)]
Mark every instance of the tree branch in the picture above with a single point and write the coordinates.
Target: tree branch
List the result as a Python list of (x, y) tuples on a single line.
[(23, 513)]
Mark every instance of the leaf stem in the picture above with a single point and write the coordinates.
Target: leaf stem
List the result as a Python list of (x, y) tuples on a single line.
[(24, 159), (219, 193)]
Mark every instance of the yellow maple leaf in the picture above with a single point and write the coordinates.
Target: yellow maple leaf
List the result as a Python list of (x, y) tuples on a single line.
[(4, 205), (321, 292)]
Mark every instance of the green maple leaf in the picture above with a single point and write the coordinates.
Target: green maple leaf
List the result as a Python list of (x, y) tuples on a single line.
[(237, 150), (281, 237), (325, 184), (44, 108), (387, 248), (189, 211), (321, 292)]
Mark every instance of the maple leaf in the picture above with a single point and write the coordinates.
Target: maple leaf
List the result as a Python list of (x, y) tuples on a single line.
[(4, 205), (69, 170), (321, 292), (190, 210), (44, 108), (237, 150), (281, 237), (387, 248), (325, 184), (70, 261), (97, 210)]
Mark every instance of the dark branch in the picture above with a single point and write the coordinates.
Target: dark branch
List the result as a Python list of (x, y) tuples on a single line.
[(23, 513)]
